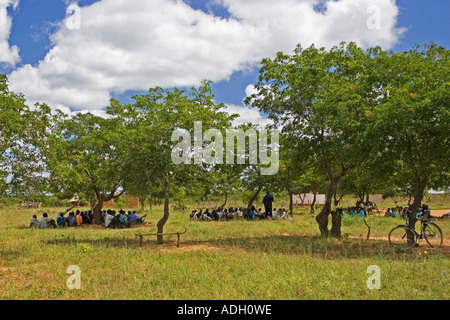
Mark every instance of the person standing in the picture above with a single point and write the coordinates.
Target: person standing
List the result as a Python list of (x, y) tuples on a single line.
[(268, 200)]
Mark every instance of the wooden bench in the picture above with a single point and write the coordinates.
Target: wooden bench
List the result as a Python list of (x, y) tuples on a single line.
[(178, 234)]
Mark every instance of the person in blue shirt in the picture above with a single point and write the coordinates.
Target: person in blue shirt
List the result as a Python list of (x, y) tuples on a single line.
[(71, 220), (249, 215), (123, 218), (61, 221), (393, 214), (362, 213), (133, 219)]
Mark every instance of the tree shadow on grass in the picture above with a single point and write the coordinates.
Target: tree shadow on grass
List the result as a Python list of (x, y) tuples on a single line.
[(313, 246)]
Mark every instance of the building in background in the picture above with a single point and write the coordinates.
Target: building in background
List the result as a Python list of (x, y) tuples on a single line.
[(308, 198)]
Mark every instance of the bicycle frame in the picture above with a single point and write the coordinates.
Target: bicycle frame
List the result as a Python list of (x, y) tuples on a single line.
[(423, 225)]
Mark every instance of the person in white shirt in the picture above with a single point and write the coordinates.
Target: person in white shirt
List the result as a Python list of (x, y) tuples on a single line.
[(275, 213), (108, 218), (283, 214)]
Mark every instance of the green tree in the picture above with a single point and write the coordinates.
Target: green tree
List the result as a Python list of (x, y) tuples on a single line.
[(86, 154), (22, 132), (322, 99), (156, 122), (415, 114)]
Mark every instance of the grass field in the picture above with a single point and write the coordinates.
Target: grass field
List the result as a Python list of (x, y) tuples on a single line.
[(260, 260)]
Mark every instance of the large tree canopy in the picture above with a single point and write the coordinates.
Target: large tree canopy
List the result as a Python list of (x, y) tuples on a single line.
[(413, 122), (321, 99), (155, 124), (22, 131)]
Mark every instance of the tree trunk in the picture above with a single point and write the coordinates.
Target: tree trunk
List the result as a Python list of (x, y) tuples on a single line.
[(367, 196), (162, 222), (97, 211), (322, 217), (337, 199), (336, 219), (313, 204), (421, 183), (142, 202), (255, 195), (226, 200), (291, 202)]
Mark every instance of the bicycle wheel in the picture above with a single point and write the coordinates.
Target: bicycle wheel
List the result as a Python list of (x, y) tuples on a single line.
[(398, 237), (433, 235)]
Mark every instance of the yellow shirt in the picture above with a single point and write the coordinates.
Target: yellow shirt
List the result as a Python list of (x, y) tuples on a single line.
[(78, 220)]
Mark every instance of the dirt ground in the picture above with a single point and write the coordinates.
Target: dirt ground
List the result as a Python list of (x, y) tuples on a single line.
[(439, 213)]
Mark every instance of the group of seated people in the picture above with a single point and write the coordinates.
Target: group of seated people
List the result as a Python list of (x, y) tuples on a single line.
[(79, 218), (74, 219), (424, 212), (353, 211), (393, 212), (121, 220), (223, 214), (45, 222)]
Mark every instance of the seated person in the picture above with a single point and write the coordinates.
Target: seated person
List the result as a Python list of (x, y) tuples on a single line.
[(207, 215), (231, 214), (115, 221), (219, 213), (249, 214), (86, 218), (420, 214), (283, 214), (388, 213), (46, 222), (61, 220), (104, 213), (275, 213), (362, 213), (123, 219), (260, 214), (108, 217), (393, 214), (239, 213), (71, 220), (90, 215), (78, 219), (215, 215), (133, 219), (34, 222)]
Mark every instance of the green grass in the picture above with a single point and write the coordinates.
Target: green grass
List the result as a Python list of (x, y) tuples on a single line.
[(260, 260)]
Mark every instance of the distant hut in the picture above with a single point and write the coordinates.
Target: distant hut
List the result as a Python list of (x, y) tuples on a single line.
[(74, 201)]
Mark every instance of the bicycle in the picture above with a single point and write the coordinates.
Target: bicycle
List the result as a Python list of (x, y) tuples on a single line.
[(398, 237)]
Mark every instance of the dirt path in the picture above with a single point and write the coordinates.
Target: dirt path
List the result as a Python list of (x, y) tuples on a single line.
[(439, 213)]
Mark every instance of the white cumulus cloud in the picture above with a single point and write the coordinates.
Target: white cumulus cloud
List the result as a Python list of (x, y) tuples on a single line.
[(135, 44), (8, 54)]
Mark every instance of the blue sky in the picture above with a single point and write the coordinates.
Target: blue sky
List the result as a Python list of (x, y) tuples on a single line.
[(33, 22)]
